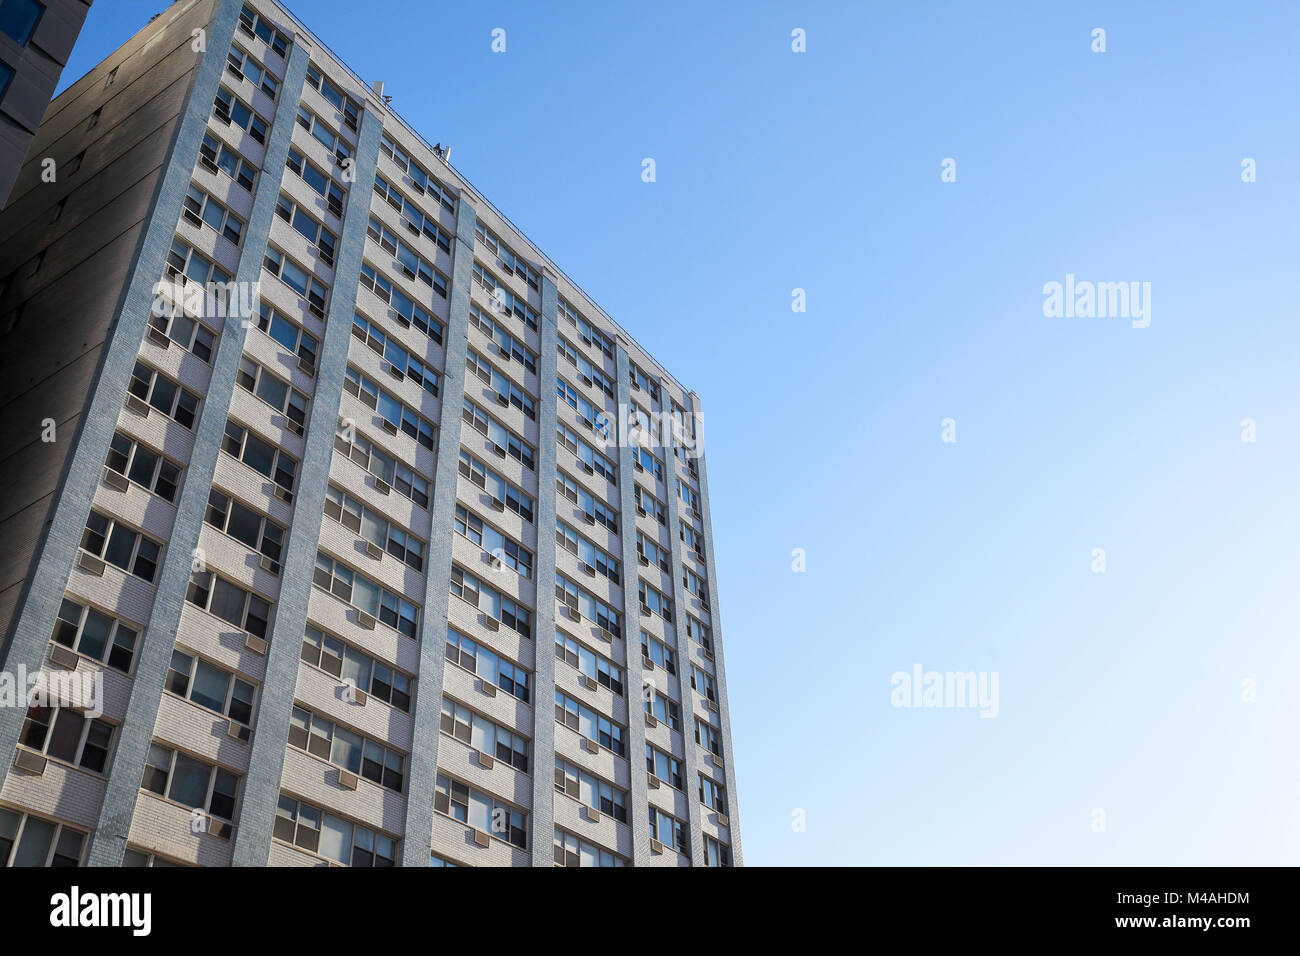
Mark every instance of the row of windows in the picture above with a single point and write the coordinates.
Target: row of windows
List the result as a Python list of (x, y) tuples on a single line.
[(594, 559), (214, 594), (393, 473), (509, 552), (231, 516), (415, 220), (491, 602), (483, 735), (289, 335), (500, 300), (506, 260), (324, 134), (244, 66), (262, 456), (590, 460), (401, 362), (334, 838), (95, 635), (595, 727), (191, 782), (508, 393), (508, 347), (364, 594), (589, 374), (590, 335), (145, 467), (405, 311), (210, 686), (592, 665), (398, 416), (319, 180), (279, 394), (412, 264), (374, 527), (345, 662), (505, 442), (345, 748), (481, 810), (326, 242), (254, 24), (419, 179), (501, 490), (201, 209), (298, 278), (576, 782), (334, 96), (588, 605), (481, 661), (230, 109), (68, 735), (594, 510), (572, 851), (182, 328), (121, 546)]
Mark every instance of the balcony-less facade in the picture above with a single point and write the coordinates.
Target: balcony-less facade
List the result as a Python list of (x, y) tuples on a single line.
[(361, 555)]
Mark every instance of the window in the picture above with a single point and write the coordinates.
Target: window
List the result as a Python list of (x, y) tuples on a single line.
[(595, 727), (588, 605), (496, 486), (695, 584), (505, 441), (386, 468), (483, 735), (325, 241), (161, 393), (654, 601), (469, 588), (505, 388), (318, 180), (506, 260), (415, 220), (95, 635), (416, 176), (277, 393), (664, 766), (345, 662), (288, 335), (500, 300), (435, 860), (643, 460), (404, 312), (594, 558), (589, 460), (508, 347), (245, 67), (231, 516), (333, 95), (120, 546), (27, 840), (229, 602), (596, 511), (411, 264), (590, 374), (201, 209), (400, 362), (513, 555), (572, 780), (186, 331), (693, 539), (136, 857), (640, 381), (715, 853), (297, 278), (347, 749), (210, 686), (229, 108), (260, 455), (571, 851), (708, 737), (481, 811), (68, 735), (365, 595), (591, 336), (703, 682), (713, 794), (647, 505), (182, 260), (143, 466), (18, 19), (350, 844), (699, 633), (215, 155), (658, 652), (372, 526), (588, 662), (688, 495), (321, 131), (653, 553), (594, 419), (254, 24), (669, 831), (396, 413), (664, 710), (191, 782), (477, 659)]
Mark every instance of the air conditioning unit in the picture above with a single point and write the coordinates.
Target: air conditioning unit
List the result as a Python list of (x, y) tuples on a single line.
[(482, 838), (651, 720), (255, 644), (354, 694), (498, 504), (643, 560), (590, 683), (91, 564), (588, 517), (487, 688), (491, 623), (495, 561), (588, 570), (498, 450), (237, 731), (268, 565), (502, 400), (483, 760), (591, 814), (722, 819), (115, 480), (571, 613), (136, 404), (654, 782), (29, 761), (656, 848), (645, 610), (605, 634), (64, 657), (158, 337), (503, 352), (716, 761), (713, 705), (591, 746), (381, 486), (374, 551), (347, 779), (365, 620), (704, 604), (388, 426), (647, 663)]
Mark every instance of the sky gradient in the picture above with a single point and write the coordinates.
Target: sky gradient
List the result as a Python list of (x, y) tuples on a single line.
[(1119, 691)]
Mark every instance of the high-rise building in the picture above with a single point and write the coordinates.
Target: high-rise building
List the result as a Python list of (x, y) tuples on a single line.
[(36, 37), (312, 564)]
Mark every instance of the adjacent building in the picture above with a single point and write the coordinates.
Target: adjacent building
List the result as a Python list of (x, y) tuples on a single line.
[(342, 528), (36, 37)]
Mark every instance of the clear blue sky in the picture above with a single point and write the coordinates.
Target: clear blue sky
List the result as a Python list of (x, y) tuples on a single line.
[(1120, 691)]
